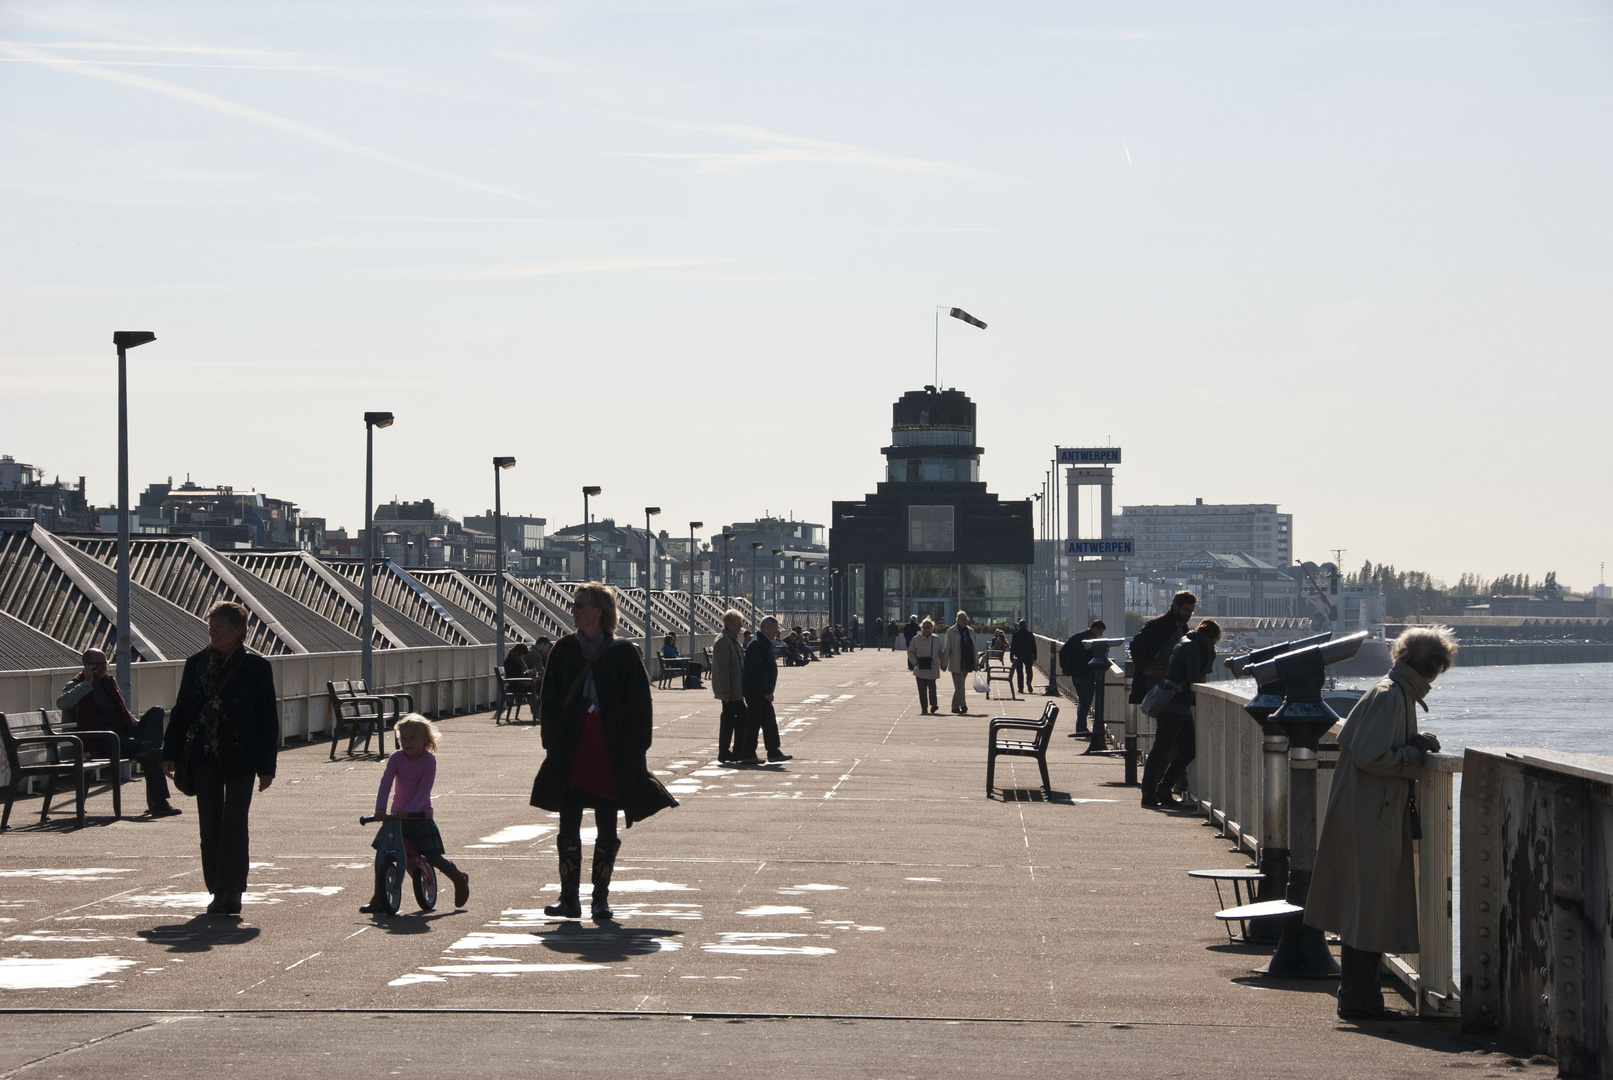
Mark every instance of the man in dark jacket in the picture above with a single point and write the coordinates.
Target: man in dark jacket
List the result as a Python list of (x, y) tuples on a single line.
[(760, 680), (1153, 643), (94, 702), (1175, 744), (1022, 649), (226, 725), (1082, 678)]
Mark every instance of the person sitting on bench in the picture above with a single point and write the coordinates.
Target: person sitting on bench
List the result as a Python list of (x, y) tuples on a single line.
[(688, 665), (93, 701)]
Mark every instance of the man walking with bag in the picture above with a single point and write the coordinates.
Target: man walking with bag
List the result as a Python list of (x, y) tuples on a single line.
[(958, 656), (759, 681)]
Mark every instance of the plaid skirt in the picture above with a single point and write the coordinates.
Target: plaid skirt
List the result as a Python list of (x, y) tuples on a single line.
[(420, 834)]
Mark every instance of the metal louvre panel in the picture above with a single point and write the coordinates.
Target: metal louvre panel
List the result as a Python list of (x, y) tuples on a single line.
[(391, 591), (35, 591), (25, 648), (521, 601)]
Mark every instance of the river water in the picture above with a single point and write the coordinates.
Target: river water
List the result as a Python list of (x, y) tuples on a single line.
[(1566, 707)]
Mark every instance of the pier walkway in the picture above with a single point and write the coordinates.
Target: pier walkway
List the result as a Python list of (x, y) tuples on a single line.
[(862, 910)]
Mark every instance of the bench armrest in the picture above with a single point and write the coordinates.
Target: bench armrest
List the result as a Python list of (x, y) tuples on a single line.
[(1006, 723), (87, 737), (51, 741)]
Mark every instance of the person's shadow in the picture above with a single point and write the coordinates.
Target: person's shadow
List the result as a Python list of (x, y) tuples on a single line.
[(200, 934), (406, 924), (606, 943)]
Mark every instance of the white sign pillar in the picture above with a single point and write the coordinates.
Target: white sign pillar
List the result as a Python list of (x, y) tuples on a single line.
[(1108, 568)]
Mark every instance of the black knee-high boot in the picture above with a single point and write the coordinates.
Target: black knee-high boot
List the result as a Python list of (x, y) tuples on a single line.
[(569, 906), (604, 865)]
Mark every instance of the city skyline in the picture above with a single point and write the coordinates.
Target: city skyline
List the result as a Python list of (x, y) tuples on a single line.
[(1350, 262)]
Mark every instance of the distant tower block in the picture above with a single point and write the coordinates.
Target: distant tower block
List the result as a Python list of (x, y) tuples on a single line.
[(1098, 560)]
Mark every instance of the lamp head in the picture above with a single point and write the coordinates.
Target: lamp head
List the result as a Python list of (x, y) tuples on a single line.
[(591, 490), (697, 525), (778, 551), (730, 535), (651, 511), (503, 462), (756, 545), (378, 419), (128, 339)]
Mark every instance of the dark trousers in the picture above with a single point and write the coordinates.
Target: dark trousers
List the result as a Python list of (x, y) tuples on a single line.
[(1025, 672), (222, 803), (928, 702), (1085, 691), (1359, 990), (759, 719), (730, 728), (145, 746), (577, 800), (1174, 749)]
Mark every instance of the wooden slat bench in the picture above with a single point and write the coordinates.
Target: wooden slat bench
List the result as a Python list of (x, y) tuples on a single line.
[(32, 750)]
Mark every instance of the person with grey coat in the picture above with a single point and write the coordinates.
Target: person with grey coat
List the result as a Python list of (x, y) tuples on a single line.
[(1364, 887)]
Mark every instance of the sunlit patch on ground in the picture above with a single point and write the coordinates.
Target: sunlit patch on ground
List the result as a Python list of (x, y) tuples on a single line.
[(68, 877), (58, 973), (763, 945)]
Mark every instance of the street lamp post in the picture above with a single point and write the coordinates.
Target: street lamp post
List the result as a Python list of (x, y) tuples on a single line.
[(499, 465), (693, 525), (755, 588), (727, 535), (649, 577), (833, 582), (124, 340), (777, 572), (587, 491), (372, 420)]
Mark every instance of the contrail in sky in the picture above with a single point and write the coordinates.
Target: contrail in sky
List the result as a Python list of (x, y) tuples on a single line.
[(314, 135), (1127, 149)]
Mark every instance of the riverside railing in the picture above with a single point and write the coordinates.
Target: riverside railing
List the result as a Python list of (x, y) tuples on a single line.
[(1230, 781), (1238, 780)]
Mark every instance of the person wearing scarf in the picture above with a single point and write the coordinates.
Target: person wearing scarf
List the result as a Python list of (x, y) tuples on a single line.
[(595, 720)]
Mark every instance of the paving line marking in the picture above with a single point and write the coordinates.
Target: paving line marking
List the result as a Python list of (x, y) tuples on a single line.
[(305, 959)]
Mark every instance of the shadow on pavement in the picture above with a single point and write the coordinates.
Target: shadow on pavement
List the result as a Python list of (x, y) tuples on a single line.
[(408, 923), (607, 943), (200, 934), (1035, 795)]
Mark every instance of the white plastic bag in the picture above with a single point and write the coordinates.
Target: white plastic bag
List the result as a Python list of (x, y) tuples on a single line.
[(982, 685)]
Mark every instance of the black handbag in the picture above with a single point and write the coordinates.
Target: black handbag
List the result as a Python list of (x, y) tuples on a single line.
[(184, 780)]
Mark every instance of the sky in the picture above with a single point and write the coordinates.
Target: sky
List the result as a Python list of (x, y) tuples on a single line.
[(1354, 259)]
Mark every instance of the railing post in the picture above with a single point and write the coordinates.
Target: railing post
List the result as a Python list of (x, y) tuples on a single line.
[(1435, 790)]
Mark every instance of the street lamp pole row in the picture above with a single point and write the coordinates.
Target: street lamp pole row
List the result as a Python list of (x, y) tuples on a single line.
[(372, 420), (124, 340)]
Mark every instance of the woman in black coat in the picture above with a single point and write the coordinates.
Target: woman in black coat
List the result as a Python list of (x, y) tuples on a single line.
[(594, 716), (225, 726)]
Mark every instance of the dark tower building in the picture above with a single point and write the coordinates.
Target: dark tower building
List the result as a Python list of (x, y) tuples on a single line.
[(931, 540)]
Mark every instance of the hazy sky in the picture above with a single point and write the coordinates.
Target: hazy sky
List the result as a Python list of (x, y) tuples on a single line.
[(1352, 259)]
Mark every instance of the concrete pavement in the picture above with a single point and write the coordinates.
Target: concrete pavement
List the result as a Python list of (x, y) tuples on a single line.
[(868, 884)]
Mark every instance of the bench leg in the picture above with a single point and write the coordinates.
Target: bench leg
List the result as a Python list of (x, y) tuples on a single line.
[(335, 736), (1047, 785), (117, 789), (11, 793), (991, 769), (44, 806), (83, 792)]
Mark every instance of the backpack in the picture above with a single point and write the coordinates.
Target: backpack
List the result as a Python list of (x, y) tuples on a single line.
[(1070, 655)]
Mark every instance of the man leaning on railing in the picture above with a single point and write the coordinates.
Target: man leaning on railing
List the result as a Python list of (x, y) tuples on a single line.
[(1365, 885)]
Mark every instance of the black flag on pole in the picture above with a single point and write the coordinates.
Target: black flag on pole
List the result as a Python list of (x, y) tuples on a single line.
[(959, 313)]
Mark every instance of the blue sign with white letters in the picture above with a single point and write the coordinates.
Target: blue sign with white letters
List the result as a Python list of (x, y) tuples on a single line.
[(1090, 455), (1097, 547)]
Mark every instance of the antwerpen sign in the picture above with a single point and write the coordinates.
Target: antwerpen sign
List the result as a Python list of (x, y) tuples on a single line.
[(1097, 547), (1090, 455)]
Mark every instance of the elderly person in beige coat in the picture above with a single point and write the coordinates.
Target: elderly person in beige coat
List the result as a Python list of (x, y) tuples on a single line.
[(728, 683), (1364, 887), (961, 656)]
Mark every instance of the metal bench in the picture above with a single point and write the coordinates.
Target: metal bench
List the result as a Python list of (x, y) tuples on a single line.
[(369, 714), (1035, 747), (670, 667), (512, 694), (103, 751), (33, 750), (999, 668)]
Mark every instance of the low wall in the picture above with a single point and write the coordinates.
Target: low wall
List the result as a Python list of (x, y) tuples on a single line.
[(443, 679)]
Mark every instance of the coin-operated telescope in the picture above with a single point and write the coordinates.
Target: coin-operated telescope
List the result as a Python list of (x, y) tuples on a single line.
[(1274, 767), (1304, 718), (1099, 647)]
